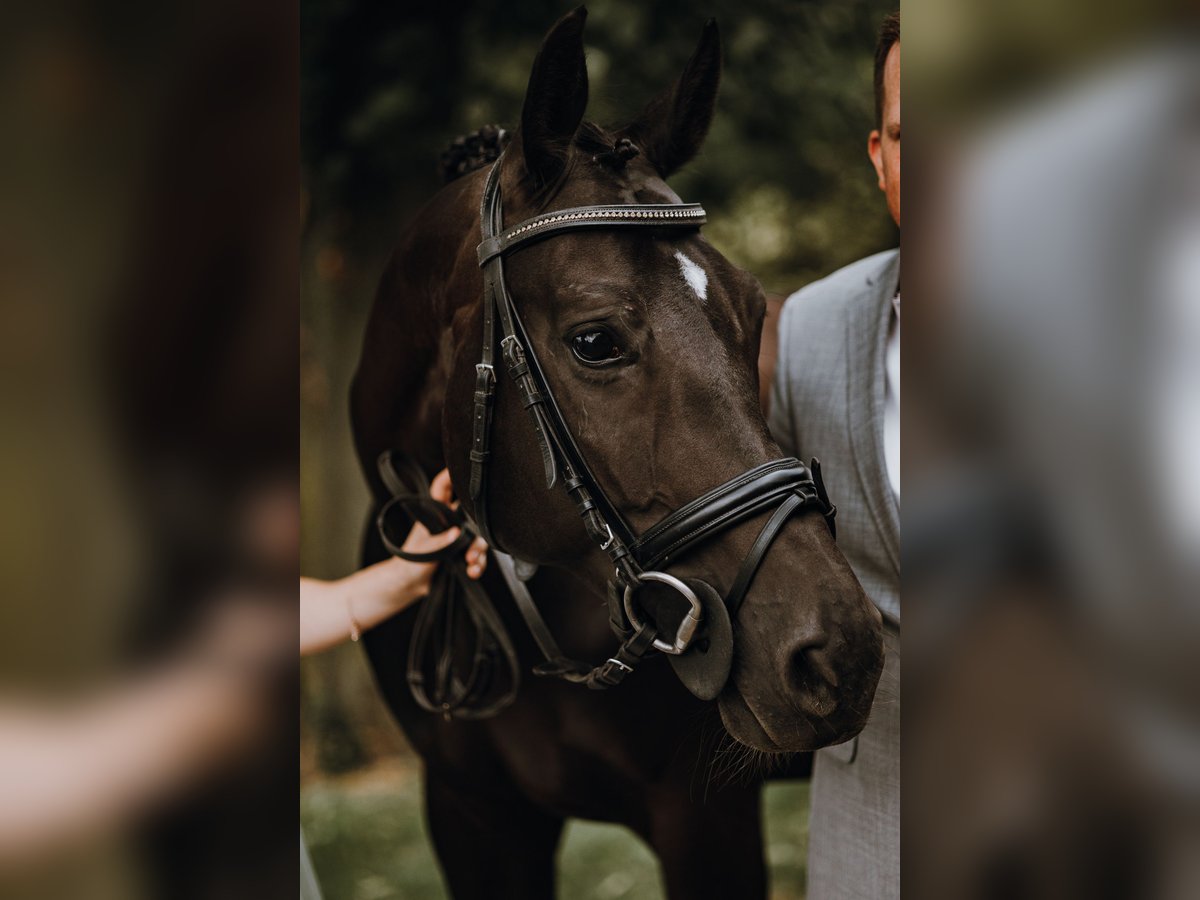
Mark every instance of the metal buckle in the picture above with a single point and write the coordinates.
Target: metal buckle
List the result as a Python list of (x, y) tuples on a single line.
[(610, 540), (689, 624), (620, 665)]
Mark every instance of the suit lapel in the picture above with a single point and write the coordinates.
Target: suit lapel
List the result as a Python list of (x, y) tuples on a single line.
[(866, 345)]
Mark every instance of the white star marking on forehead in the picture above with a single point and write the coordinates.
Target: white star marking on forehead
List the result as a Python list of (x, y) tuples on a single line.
[(695, 276)]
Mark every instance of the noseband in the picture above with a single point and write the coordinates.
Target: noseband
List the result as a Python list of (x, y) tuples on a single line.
[(785, 486)]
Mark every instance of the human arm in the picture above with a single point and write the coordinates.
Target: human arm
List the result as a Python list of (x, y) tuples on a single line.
[(332, 611)]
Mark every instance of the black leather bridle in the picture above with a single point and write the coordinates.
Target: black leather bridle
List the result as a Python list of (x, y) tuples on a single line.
[(785, 486)]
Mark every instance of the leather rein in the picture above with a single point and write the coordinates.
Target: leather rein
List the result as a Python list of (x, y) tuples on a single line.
[(785, 486)]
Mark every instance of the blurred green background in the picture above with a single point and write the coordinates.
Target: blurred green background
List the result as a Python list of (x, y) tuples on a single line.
[(368, 842), (385, 87)]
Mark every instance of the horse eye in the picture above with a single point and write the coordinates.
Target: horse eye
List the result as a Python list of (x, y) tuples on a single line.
[(595, 346)]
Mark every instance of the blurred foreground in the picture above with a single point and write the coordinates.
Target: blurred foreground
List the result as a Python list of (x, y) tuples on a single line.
[(1051, 432), (148, 536)]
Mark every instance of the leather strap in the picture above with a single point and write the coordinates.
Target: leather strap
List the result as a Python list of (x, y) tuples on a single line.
[(557, 664), (622, 663), (560, 454), (749, 567), (525, 605), (819, 483), (440, 679), (654, 215), (398, 472), (724, 506), (485, 383)]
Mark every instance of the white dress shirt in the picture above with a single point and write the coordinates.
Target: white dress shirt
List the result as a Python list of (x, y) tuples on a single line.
[(891, 410)]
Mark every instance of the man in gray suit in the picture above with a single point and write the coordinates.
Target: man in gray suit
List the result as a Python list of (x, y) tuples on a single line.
[(836, 396)]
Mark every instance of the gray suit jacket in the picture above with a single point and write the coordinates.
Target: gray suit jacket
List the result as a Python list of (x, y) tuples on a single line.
[(827, 401)]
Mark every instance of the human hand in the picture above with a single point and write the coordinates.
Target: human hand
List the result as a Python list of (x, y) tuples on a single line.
[(364, 599), (419, 540)]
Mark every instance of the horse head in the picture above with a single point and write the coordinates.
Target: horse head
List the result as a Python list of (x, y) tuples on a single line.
[(650, 339)]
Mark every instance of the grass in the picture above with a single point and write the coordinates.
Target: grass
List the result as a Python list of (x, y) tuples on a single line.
[(366, 834)]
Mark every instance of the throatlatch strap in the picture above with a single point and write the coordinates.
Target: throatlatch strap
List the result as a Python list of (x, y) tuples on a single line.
[(558, 665), (525, 605)]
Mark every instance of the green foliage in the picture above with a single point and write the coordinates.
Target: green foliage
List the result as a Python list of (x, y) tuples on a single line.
[(784, 174), (338, 747)]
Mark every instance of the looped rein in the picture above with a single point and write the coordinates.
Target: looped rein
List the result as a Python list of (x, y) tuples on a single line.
[(444, 679)]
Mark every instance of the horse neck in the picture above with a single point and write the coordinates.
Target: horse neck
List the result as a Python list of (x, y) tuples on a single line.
[(400, 385)]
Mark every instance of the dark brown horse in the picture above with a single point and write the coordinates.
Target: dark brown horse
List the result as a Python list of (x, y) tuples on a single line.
[(677, 413)]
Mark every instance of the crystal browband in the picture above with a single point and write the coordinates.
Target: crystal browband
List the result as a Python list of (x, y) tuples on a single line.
[(688, 214)]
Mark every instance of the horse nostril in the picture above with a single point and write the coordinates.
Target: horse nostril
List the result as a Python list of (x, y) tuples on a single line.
[(809, 668)]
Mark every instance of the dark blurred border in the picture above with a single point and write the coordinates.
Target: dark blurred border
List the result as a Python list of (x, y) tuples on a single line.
[(149, 224), (1051, 510)]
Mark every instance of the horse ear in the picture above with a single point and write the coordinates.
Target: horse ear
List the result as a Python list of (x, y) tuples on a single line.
[(555, 100), (674, 124)]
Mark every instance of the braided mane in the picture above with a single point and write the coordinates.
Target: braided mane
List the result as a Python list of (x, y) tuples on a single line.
[(482, 147), (469, 152)]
